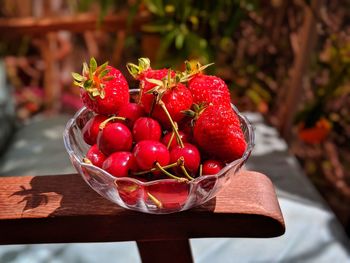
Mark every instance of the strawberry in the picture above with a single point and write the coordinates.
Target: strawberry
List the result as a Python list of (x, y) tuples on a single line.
[(143, 72), (140, 71), (209, 89), (176, 99), (217, 132), (147, 99), (175, 96), (104, 89)]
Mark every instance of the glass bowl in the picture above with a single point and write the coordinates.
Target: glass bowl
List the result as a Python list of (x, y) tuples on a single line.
[(156, 197)]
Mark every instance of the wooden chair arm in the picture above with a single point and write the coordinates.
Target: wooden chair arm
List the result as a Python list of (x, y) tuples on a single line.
[(62, 208)]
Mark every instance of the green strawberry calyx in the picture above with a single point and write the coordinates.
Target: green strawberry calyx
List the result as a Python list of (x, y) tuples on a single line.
[(162, 86), (93, 78), (191, 70), (196, 110), (137, 70)]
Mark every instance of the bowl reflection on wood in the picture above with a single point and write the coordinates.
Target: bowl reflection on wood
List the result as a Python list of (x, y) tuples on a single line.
[(159, 196)]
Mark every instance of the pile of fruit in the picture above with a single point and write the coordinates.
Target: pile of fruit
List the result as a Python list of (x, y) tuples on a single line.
[(181, 125)]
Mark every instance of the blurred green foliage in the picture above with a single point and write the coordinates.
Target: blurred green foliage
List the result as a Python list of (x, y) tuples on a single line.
[(251, 43), (195, 29)]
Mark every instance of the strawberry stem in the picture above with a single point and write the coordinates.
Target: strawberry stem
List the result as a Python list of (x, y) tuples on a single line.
[(104, 123), (173, 125), (180, 179), (155, 200)]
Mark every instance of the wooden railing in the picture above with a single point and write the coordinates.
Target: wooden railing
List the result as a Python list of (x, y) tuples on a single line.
[(78, 23), (62, 208), (43, 29)]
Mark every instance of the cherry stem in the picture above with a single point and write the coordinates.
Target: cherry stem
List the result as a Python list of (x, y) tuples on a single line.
[(142, 85), (156, 169), (173, 125), (170, 140), (155, 200), (185, 172), (181, 162), (180, 179), (104, 123), (87, 161), (154, 102), (200, 169)]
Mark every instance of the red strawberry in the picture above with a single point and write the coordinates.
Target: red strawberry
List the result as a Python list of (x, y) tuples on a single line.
[(175, 96), (145, 85), (143, 71), (218, 133), (104, 89), (138, 71), (147, 99), (176, 99), (209, 89)]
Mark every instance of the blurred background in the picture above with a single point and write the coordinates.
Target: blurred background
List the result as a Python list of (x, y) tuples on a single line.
[(287, 60)]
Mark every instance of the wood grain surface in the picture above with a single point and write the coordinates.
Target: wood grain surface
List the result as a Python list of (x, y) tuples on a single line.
[(62, 208)]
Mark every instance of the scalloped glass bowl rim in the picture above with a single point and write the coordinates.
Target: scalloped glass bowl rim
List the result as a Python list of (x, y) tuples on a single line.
[(242, 160)]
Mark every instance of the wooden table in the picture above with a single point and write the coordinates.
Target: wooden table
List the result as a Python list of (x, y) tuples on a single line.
[(62, 208)]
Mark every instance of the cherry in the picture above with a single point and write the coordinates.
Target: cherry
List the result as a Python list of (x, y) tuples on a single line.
[(119, 164), (95, 156), (129, 191), (148, 152), (190, 155), (131, 111), (165, 140), (114, 137), (167, 194), (146, 128), (212, 167), (91, 129)]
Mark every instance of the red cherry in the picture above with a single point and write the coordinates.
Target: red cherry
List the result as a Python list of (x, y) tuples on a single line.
[(148, 152), (131, 111), (184, 137), (190, 154), (170, 194), (146, 128), (129, 191), (114, 137), (212, 167), (91, 129), (119, 164), (95, 156)]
